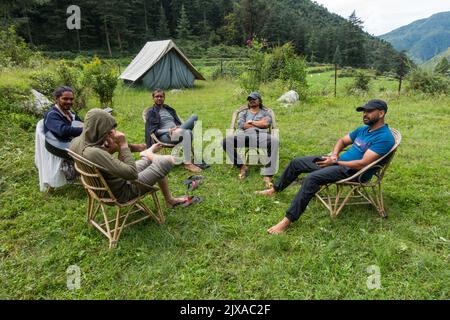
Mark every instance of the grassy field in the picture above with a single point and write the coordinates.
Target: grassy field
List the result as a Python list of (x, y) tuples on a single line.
[(219, 249)]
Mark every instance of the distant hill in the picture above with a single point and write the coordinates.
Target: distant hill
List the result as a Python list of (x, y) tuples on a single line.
[(423, 39), (430, 64)]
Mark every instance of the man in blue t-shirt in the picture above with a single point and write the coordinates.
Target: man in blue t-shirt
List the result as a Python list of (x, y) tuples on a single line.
[(369, 143)]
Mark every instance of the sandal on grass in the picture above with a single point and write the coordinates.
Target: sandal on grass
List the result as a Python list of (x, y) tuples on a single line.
[(188, 201), (193, 182)]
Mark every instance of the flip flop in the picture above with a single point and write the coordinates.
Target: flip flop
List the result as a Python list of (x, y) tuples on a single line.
[(192, 185), (193, 182), (196, 178), (188, 201), (203, 165)]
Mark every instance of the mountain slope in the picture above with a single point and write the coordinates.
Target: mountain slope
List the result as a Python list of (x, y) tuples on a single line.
[(423, 39), (431, 64)]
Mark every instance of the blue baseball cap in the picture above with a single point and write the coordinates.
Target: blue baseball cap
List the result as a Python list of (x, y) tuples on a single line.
[(372, 105)]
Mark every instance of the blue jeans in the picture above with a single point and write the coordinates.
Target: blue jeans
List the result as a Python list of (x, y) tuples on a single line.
[(188, 125)]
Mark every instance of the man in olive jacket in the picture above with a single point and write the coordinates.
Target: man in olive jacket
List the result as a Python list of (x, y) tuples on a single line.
[(99, 141)]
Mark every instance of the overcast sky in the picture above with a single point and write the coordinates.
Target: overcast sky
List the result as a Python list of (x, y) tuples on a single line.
[(382, 16)]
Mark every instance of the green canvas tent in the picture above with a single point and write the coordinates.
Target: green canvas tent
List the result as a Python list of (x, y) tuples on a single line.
[(160, 64)]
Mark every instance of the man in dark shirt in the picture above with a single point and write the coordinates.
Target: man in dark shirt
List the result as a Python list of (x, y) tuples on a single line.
[(61, 125), (163, 121), (369, 143)]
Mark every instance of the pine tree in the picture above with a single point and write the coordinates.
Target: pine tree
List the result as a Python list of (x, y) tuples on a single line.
[(184, 27), (403, 67), (355, 52), (162, 29)]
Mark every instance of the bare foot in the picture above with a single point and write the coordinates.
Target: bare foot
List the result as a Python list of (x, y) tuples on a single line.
[(151, 151), (172, 202), (268, 182), (269, 192), (243, 172), (193, 168), (280, 227)]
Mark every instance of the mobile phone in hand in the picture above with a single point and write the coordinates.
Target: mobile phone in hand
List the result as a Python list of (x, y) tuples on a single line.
[(315, 160)]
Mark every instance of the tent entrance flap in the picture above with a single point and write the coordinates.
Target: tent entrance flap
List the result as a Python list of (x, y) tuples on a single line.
[(169, 72)]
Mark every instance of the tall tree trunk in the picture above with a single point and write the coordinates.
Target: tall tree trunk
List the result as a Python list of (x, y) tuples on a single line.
[(107, 37), (78, 40), (335, 79), (145, 15), (119, 40), (400, 85), (30, 38)]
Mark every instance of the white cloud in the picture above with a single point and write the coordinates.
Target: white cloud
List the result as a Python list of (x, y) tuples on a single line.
[(382, 16)]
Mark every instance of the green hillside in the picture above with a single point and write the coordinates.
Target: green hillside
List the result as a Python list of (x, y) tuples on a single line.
[(430, 64), (422, 39)]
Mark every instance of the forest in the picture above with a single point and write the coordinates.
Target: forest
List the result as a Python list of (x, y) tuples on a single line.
[(121, 28)]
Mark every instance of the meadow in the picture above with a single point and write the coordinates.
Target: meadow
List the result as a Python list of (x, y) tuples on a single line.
[(219, 249)]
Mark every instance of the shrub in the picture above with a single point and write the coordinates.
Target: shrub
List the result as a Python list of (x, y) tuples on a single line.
[(360, 85), (45, 82), (249, 82), (293, 74), (278, 60), (71, 74), (13, 49), (279, 63), (102, 77), (427, 82)]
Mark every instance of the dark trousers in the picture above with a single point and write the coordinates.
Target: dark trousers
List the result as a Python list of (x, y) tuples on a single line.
[(311, 183), (253, 140)]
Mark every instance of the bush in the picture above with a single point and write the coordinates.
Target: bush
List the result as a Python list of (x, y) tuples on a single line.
[(65, 74), (279, 63), (13, 49), (427, 82), (45, 82), (102, 77), (293, 74), (71, 74), (360, 85), (249, 82)]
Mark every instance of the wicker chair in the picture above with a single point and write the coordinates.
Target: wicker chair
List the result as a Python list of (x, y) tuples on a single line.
[(355, 190), (253, 153), (100, 198)]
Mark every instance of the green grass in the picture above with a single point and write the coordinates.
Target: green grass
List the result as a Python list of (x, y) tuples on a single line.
[(219, 249)]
